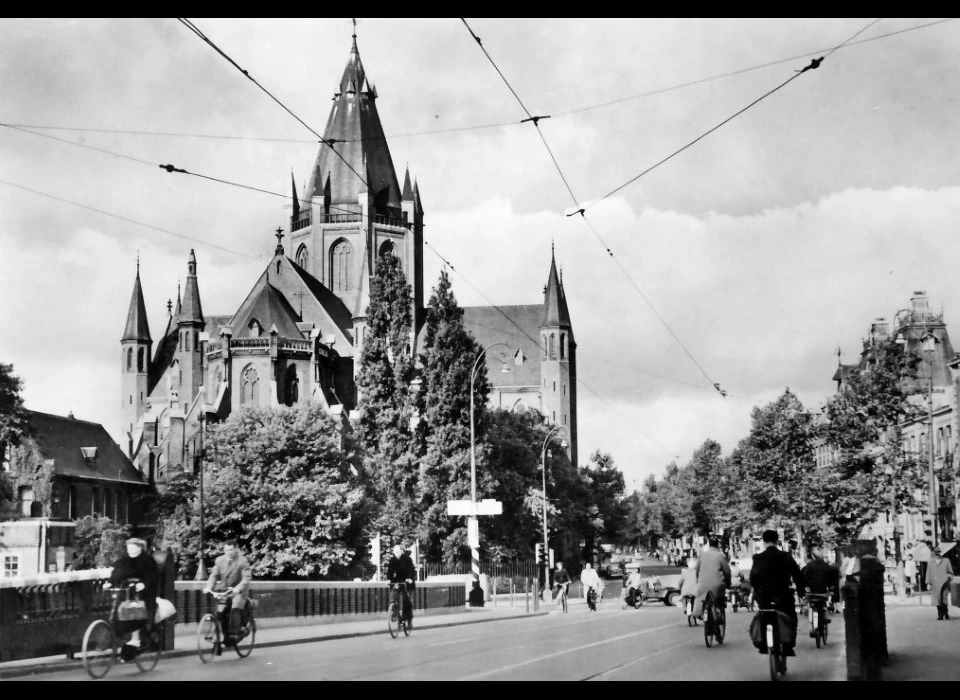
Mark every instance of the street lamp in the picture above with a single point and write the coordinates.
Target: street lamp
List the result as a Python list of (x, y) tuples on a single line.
[(472, 524), (543, 465)]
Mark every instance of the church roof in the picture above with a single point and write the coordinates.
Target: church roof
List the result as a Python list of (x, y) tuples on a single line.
[(166, 350), (518, 327), (269, 307), (60, 438), (354, 130), (137, 327), (555, 312), (190, 310)]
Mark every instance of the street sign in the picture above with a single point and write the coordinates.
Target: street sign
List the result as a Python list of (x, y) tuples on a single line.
[(473, 533), (489, 506), (460, 508)]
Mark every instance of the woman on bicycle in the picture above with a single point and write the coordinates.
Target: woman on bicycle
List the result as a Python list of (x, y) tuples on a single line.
[(713, 575), (138, 564), (561, 580), (688, 582)]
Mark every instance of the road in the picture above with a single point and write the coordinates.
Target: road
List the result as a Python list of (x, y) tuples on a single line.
[(653, 643)]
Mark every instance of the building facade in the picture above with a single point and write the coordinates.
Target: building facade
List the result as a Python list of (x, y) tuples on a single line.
[(298, 335)]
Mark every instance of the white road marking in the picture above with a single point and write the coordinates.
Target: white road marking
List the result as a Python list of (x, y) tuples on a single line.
[(566, 651), (636, 661), (453, 641)]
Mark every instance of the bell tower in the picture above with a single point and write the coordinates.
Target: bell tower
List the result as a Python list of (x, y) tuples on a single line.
[(134, 361)]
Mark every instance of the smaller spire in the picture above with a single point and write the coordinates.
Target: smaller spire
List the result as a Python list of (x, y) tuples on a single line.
[(407, 188), (293, 191), (416, 197), (170, 308), (137, 327)]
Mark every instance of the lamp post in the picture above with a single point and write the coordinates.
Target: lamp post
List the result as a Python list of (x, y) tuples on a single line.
[(201, 569), (543, 466), (472, 524)]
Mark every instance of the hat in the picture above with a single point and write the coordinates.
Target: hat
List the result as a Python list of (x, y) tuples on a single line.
[(137, 541)]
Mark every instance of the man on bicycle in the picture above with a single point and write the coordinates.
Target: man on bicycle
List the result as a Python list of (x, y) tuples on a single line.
[(232, 572), (401, 571), (770, 577), (634, 582), (591, 582), (561, 580), (713, 575)]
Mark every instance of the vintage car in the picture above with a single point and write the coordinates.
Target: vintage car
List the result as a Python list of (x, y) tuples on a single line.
[(663, 587)]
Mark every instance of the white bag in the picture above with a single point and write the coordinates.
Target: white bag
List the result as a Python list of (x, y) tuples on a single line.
[(165, 610)]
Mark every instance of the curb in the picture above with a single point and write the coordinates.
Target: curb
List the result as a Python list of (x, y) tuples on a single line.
[(75, 664)]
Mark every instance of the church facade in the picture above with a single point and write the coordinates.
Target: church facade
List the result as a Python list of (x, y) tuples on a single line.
[(297, 336)]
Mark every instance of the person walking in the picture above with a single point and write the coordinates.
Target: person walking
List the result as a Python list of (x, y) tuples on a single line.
[(909, 573), (939, 575)]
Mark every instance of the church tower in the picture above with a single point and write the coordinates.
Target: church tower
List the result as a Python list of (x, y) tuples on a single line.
[(190, 324), (558, 363), (353, 209), (135, 360)]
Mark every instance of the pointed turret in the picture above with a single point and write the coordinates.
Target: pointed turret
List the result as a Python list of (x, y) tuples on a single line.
[(293, 191), (137, 326), (191, 311), (407, 195), (354, 130), (555, 312)]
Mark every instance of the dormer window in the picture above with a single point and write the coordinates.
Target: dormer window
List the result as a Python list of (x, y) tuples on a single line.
[(256, 330), (89, 453)]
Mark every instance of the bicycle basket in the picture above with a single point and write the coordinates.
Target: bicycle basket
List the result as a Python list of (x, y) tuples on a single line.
[(132, 610)]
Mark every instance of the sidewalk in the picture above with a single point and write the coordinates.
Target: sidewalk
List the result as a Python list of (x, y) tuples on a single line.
[(185, 643), (921, 648)]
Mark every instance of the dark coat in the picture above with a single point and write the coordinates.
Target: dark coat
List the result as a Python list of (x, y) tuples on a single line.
[(770, 577), (399, 570), (143, 567), (939, 574)]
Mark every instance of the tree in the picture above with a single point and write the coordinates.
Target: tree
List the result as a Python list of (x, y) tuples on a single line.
[(606, 486), (13, 422), (281, 481), (443, 404), (386, 405), (98, 542)]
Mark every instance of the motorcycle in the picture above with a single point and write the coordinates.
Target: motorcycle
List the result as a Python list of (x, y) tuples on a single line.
[(633, 598)]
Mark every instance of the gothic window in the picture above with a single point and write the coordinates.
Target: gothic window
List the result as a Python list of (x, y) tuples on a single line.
[(256, 330), (250, 387), (543, 344), (551, 347), (340, 258), (129, 359), (187, 334), (292, 387), (563, 346), (140, 359), (387, 248), (303, 256), (554, 387)]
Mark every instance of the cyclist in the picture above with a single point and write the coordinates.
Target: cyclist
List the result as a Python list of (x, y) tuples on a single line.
[(561, 579), (634, 583), (138, 564), (232, 571), (770, 577), (713, 575), (688, 583), (401, 571), (591, 581)]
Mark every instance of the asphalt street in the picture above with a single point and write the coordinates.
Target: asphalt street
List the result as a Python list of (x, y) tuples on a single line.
[(652, 643)]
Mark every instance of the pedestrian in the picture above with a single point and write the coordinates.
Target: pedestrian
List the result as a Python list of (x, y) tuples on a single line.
[(909, 573), (939, 575)]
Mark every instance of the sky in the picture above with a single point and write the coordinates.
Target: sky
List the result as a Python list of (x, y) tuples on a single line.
[(763, 248)]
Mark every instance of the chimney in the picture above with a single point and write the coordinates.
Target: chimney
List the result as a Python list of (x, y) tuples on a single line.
[(879, 330)]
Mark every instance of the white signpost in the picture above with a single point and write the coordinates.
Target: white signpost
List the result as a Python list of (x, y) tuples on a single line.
[(471, 510)]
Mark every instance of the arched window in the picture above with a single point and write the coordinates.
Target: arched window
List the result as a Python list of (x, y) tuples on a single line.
[(552, 347), (303, 256), (387, 248), (250, 387), (543, 344), (291, 387), (141, 353), (72, 504), (187, 347), (563, 346), (152, 473), (129, 359), (256, 330), (340, 258)]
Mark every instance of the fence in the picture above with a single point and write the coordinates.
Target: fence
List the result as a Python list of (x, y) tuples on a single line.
[(507, 569)]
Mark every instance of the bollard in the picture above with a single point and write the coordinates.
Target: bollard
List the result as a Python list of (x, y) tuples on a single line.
[(494, 591), (851, 624), (526, 593)]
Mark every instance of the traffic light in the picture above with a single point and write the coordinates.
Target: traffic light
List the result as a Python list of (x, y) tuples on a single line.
[(538, 553), (928, 527)]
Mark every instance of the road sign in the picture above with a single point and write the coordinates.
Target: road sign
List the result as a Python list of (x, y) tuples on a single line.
[(473, 533), (489, 506), (461, 508)]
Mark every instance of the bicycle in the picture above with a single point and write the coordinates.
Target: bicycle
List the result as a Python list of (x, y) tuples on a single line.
[(210, 629), (817, 607), (127, 614), (742, 599), (562, 595), (692, 620), (778, 659), (400, 619), (632, 597), (714, 620), (592, 599)]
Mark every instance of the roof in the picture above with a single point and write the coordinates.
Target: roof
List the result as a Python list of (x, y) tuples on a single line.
[(555, 312), (190, 310), (214, 323), (137, 327), (515, 326), (354, 129), (60, 439), (843, 371), (166, 349), (269, 307)]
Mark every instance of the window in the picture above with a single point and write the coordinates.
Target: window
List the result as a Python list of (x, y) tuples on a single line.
[(26, 500), (187, 346), (563, 346), (129, 359), (387, 248), (11, 565), (564, 418), (96, 506), (554, 387), (341, 257), (554, 416), (140, 359), (256, 330), (72, 504), (543, 344), (551, 348), (278, 267), (291, 387), (939, 441), (303, 256), (564, 389), (250, 387)]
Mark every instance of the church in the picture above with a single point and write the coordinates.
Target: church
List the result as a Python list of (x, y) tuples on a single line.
[(298, 335)]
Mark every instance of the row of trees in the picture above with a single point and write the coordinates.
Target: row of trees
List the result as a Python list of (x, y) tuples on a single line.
[(771, 478), (303, 492)]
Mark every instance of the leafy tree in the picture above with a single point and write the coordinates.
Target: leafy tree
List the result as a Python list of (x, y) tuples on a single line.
[(280, 481), (387, 407), (443, 403), (98, 542), (13, 422), (606, 486)]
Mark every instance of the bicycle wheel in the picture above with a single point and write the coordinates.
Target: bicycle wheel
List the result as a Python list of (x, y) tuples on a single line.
[(244, 645), (393, 622), (783, 664), (99, 648), (208, 637), (149, 654), (824, 627), (708, 626), (720, 628), (774, 664), (408, 626)]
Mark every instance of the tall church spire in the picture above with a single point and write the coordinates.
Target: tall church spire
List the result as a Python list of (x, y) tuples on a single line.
[(190, 310), (137, 327), (555, 312)]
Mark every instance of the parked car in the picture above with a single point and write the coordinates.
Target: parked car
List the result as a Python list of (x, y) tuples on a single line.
[(662, 587)]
